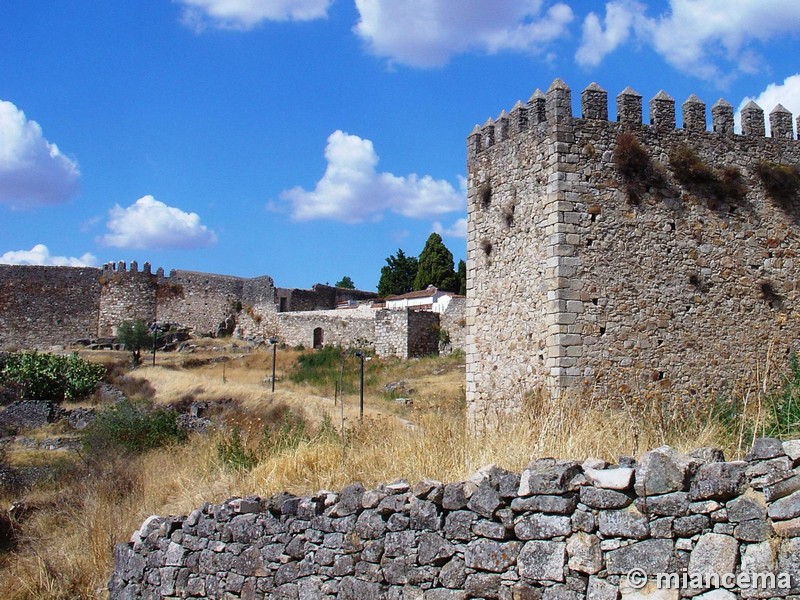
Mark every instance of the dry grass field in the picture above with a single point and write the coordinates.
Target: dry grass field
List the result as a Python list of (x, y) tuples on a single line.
[(70, 523)]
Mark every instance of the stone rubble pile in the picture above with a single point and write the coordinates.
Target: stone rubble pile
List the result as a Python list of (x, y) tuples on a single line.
[(561, 530)]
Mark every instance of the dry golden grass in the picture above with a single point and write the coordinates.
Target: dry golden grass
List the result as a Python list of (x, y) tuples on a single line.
[(69, 534)]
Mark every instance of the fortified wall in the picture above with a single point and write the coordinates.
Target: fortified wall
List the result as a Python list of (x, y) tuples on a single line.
[(669, 526), (53, 307), (627, 258)]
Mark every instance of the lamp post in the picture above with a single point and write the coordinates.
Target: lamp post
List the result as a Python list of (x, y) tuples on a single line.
[(154, 331), (360, 355), (274, 342)]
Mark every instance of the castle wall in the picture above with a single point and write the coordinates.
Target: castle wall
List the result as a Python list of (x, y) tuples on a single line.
[(510, 222), (41, 307), (406, 333), (454, 322), (346, 328), (200, 301), (125, 295), (319, 297), (633, 285)]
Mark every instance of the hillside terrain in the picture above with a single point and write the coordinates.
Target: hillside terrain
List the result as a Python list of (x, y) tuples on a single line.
[(204, 426)]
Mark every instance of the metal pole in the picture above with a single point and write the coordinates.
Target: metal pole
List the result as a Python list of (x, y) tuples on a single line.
[(274, 353), (155, 337), (274, 342), (361, 387)]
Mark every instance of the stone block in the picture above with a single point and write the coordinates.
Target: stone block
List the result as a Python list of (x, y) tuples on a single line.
[(542, 561)]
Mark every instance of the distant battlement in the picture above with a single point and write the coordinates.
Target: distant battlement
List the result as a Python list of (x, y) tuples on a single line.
[(555, 108), (147, 269)]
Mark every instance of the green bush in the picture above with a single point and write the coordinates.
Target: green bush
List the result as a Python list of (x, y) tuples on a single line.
[(323, 368), (783, 407), (318, 367), (287, 433), (132, 427), (233, 453), (44, 376)]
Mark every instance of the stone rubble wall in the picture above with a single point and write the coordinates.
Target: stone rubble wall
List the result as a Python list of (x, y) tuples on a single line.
[(560, 530), (203, 300), (42, 307), (453, 322), (348, 328), (406, 333), (574, 283), (319, 297)]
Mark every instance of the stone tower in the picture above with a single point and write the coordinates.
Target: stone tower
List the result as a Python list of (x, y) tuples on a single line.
[(624, 258)]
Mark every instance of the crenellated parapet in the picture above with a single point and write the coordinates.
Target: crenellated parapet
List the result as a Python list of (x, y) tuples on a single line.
[(555, 108), (122, 268)]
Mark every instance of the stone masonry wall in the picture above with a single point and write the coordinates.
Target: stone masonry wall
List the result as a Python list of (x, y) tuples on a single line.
[(406, 333), (319, 297), (452, 320), (203, 300), (41, 307), (579, 277), (346, 328), (126, 295), (693, 525), (423, 333)]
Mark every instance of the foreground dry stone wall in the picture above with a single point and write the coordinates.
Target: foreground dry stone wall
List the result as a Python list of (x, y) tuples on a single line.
[(561, 530)]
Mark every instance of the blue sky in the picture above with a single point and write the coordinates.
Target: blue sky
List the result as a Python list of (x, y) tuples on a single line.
[(310, 139)]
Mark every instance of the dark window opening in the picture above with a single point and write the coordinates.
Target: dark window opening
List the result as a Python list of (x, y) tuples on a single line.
[(318, 338)]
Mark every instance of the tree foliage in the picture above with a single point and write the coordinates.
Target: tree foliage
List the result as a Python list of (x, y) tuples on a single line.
[(436, 266), (345, 283), (55, 377), (397, 277), (461, 273), (136, 336)]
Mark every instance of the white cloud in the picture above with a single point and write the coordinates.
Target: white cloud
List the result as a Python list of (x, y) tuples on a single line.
[(706, 38), (457, 229), (150, 224), (786, 94), (600, 40), (40, 255), (246, 14), (351, 190), (32, 170), (426, 33)]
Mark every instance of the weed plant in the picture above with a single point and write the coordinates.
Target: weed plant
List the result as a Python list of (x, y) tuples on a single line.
[(714, 187), (783, 406), (782, 182), (323, 369), (635, 166), (131, 427)]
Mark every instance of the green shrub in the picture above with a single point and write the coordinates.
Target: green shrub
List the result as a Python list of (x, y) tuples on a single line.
[(44, 376), (320, 367), (288, 432), (783, 407), (323, 368), (132, 427), (233, 453)]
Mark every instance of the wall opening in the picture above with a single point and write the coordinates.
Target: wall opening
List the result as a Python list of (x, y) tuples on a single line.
[(318, 337), (283, 304)]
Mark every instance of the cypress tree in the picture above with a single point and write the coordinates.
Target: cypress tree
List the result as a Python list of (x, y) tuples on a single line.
[(436, 266)]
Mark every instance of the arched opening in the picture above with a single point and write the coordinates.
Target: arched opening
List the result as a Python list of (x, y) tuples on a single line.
[(318, 338)]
